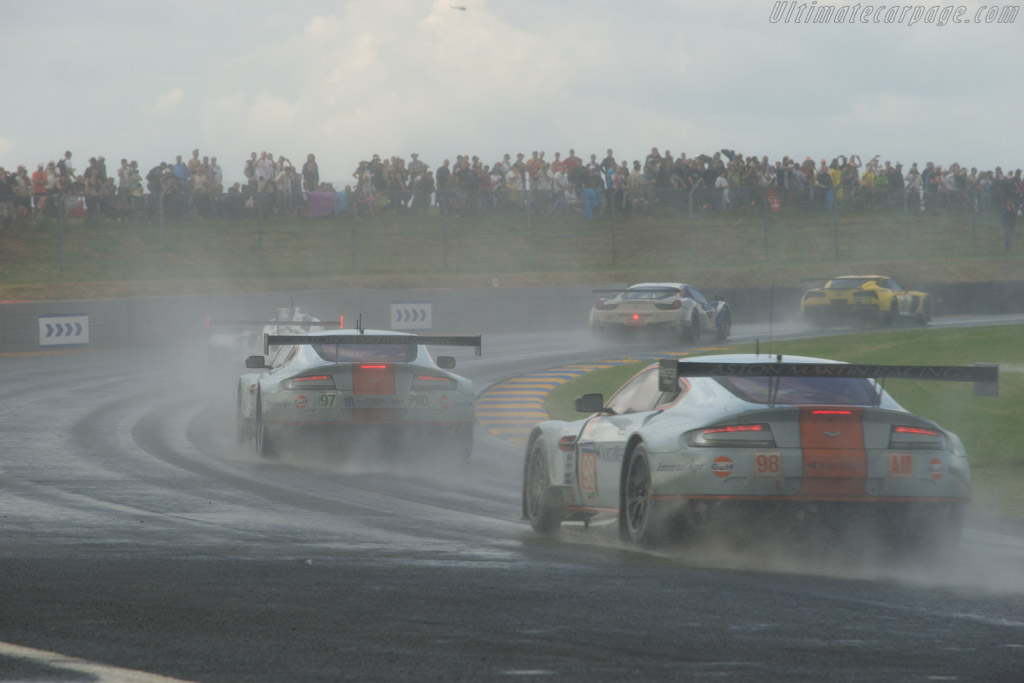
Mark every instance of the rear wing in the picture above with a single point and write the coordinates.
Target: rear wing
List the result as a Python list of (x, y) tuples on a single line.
[(984, 375), (290, 339), (265, 323)]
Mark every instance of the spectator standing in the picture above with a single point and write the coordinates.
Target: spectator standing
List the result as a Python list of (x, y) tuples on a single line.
[(216, 177), (265, 173), (180, 171), (249, 171), (37, 185)]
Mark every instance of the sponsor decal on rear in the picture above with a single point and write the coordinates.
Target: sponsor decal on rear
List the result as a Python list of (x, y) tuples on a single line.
[(374, 402), (936, 469), (300, 402), (722, 466), (901, 466)]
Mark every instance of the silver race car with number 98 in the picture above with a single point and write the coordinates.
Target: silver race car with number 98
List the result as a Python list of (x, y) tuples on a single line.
[(740, 441)]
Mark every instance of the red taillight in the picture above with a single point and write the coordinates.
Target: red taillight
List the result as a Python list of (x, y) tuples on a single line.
[(735, 428), (432, 382), (915, 430), (831, 412), (373, 367), (909, 438), (733, 436), (636, 316), (309, 382)]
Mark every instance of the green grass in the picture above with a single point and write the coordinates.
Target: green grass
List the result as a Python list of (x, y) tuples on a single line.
[(990, 428), (738, 249)]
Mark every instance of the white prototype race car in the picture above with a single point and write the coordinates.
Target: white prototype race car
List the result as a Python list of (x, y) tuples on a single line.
[(346, 385), (671, 308), (714, 443)]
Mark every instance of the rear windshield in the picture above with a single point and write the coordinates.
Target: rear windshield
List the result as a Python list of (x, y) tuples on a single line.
[(848, 283), (802, 390), (354, 353), (650, 293)]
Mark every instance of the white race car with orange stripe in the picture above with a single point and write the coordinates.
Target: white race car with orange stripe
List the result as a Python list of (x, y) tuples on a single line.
[(717, 442), (675, 309), (349, 384)]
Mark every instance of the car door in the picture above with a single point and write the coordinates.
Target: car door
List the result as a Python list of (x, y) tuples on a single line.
[(602, 442)]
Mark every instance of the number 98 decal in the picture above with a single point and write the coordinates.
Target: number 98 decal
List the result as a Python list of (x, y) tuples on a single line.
[(767, 464)]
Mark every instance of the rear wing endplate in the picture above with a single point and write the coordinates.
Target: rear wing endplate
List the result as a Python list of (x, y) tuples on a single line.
[(984, 375), (290, 339)]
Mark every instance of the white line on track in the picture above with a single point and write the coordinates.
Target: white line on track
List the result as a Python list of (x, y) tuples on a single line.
[(100, 672)]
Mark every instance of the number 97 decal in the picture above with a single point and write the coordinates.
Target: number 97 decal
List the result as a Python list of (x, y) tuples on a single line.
[(767, 464)]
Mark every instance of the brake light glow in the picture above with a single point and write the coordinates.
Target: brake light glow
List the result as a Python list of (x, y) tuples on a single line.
[(432, 382), (373, 367), (915, 430), (309, 382), (732, 436), (636, 316), (909, 438), (831, 412)]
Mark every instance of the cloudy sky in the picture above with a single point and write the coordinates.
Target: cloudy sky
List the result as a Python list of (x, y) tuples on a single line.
[(345, 79)]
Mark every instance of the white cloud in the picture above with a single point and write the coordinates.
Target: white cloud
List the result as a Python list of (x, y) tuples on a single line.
[(169, 101), (346, 79)]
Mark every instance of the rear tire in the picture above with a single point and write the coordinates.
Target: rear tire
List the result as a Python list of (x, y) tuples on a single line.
[(640, 520), (723, 325), (925, 316), (690, 334), (892, 318), (542, 503), (264, 446)]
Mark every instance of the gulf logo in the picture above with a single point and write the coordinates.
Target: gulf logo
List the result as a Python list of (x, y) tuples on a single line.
[(936, 469), (300, 402), (722, 466)]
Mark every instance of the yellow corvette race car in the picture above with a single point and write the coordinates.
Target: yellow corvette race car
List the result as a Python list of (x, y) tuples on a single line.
[(866, 299)]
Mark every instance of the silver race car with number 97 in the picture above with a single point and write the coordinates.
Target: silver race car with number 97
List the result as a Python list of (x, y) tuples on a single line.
[(375, 387)]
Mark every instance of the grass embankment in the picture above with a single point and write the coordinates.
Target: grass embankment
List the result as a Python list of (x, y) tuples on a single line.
[(742, 248), (990, 428)]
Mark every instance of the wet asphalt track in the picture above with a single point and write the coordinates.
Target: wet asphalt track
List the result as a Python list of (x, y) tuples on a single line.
[(138, 541)]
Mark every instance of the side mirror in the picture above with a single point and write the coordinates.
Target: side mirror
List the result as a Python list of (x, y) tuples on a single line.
[(446, 362), (590, 403), (256, 362)]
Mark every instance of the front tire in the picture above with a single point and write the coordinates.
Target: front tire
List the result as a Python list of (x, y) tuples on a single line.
[(542, 503)]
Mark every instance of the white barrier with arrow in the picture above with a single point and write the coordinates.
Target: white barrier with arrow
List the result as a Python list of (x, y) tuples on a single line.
[(63, 330)]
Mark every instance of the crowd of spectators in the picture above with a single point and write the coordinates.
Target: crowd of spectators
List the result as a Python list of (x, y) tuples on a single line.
[(722, 180)]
